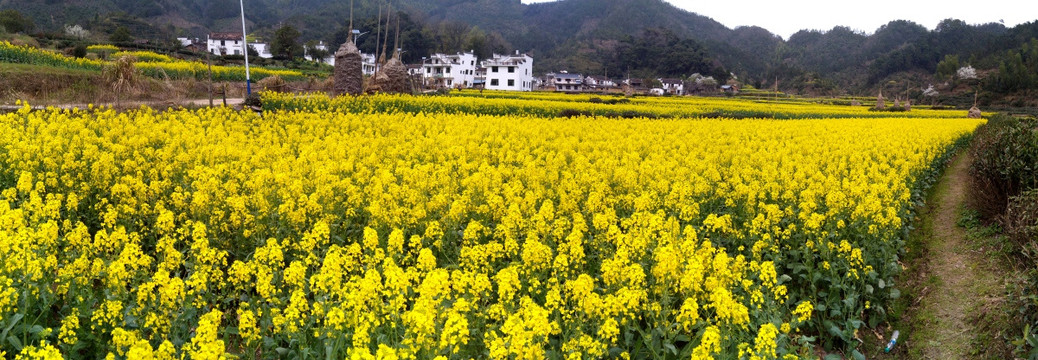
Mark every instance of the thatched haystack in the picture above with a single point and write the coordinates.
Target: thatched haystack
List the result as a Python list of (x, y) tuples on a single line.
[(349, 76), (974, 113), (879, 101), (393, 77), (272, 83), (908, 105)]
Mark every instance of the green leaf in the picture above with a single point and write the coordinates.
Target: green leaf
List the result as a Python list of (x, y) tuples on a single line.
[(895, 293), (833, 357), (882, 284), (835, 331), (857, 355), (17, 344), (14, 320)]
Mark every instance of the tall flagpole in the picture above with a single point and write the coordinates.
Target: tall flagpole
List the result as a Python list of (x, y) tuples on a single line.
[(245, 48)]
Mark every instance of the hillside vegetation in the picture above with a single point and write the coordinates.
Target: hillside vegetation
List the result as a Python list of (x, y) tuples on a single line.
[(597, 37)]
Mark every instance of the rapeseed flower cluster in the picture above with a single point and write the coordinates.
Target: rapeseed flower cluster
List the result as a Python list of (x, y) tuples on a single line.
[(216, 234)]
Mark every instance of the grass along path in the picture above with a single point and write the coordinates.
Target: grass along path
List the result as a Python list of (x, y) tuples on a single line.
[(958, 286)]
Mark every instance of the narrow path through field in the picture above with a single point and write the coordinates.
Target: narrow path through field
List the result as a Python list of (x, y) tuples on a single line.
[(958, 281)]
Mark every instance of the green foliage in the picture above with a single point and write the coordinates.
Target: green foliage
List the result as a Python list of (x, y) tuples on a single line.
[(1004, 187), (947, 67), (661, 52), (14, 22), (1005, 163), (121, 35), (286, 43), (313, 52), (1017, 70), (79, 51)]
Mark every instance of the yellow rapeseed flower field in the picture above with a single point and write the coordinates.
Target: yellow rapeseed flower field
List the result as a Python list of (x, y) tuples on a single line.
[(213, 233), (150, 64)]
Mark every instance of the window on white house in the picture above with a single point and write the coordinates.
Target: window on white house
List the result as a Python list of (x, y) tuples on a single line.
[(493, 82), (237, 52), (511, 82), (493, 69), (511, 69), (449, 82), (223, 43)]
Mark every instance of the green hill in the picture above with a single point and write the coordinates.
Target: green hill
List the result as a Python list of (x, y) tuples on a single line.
[(581, 35)]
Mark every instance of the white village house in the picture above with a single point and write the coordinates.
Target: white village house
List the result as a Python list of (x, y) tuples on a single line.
[(509, 72), (672, 86), (450, 70), (599, 82), (565, 82), (231, 43)]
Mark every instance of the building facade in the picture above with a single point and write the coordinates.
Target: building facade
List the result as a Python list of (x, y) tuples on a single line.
[(441, 70), (509, 72), (566, 82), (224, 44)]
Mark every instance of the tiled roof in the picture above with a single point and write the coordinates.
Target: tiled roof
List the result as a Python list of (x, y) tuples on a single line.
[(225, 36)]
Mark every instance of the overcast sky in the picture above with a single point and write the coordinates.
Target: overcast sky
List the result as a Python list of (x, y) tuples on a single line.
[(785, 17)]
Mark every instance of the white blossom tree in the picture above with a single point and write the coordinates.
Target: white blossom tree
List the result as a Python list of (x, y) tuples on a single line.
[(967, 72), (76, 31), (930, 91)]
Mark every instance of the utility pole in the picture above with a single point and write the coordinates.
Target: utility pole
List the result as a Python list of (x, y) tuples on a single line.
[(209, 60), (245, 49)]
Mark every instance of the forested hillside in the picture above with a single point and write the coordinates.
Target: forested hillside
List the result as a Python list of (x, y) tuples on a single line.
[(640, 38)]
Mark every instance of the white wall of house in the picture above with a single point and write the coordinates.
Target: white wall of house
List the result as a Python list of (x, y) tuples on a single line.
[(263, 50), (450, 70), (509, 72), (367, 63), (225, 47), (673, 87), (566, 82)]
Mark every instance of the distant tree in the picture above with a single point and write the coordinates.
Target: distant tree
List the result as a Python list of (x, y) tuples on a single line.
[(452, 36), (252, 51), (14, 22), (661, 52), (121, 35), (476, 41), (286, 43), (967, 73), (80, 51), (947, 67), (76, 31), (314, 52)]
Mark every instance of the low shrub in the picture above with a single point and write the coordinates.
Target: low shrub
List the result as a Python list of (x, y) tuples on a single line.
[(1021, 224), (1005, 164), (1004, 189)]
